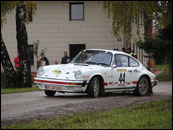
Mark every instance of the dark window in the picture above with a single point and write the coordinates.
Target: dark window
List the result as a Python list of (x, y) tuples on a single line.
[(31, 54), (121, 60), (76, 11), (133, 63)]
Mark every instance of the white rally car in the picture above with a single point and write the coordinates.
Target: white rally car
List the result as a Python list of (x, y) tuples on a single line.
[(96, 71)]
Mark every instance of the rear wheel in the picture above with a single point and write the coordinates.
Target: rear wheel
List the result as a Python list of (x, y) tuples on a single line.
[(49, 93), (94, 87), (142, 86)]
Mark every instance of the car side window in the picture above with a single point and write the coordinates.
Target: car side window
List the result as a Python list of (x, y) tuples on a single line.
[(121, 60), (133, 63)]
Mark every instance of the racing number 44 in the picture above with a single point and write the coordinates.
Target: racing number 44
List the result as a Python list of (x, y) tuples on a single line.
[(122, 78)]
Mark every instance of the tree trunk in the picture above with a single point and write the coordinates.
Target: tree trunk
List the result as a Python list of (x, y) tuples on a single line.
[(22, 40), (10, 73), (148, 32)]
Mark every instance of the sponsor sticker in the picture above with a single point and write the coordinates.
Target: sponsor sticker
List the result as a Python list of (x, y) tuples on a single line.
[(123, 85), (85, 77), (121, 70), (137, 71), (57, 72)]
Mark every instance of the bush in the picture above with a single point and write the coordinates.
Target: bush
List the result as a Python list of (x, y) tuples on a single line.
[(165, 75), (4, 82)]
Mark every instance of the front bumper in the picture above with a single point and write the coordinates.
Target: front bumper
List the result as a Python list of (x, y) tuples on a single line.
[(61, 85), (154, 83)]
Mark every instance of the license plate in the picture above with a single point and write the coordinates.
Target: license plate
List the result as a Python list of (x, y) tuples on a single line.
[(51, 87), (69, 88)]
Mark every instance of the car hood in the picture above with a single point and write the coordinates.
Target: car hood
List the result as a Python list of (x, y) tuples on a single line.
[(67, 71)]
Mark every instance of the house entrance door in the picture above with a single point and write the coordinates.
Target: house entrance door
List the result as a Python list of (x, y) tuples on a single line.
[(74, 49)]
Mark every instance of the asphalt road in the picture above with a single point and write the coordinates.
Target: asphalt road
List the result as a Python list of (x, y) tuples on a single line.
[(35, 105)]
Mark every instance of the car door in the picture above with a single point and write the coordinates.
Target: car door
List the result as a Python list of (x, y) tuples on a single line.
[(121, 71), (125, 73), (134, 72)]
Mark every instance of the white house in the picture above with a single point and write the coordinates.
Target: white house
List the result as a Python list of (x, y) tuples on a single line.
[(66, 26)]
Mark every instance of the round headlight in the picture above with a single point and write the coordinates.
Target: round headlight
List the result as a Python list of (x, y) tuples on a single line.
[(78, 74), (40, 71)]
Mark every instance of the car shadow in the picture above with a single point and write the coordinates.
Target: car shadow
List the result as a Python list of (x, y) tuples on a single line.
[(85, 95), (119, 94)]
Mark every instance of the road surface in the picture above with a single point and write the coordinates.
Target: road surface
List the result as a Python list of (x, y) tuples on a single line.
[(35, 105)]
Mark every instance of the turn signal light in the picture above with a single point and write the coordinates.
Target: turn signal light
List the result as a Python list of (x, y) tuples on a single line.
[(72, 83)]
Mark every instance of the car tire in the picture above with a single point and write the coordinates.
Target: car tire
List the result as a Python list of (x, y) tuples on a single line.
[(142, 86), (49, 93), (94, 87)]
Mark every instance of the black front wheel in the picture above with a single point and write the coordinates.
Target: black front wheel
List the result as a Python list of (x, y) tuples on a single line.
[(94, 87), (49, 93)]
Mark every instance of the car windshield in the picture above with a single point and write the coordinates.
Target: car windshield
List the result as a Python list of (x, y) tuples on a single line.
[(93, 57)]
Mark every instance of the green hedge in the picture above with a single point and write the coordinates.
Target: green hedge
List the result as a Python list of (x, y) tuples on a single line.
[(4, 82)]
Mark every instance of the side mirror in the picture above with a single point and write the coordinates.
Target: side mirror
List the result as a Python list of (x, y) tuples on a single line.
[(114, 66)]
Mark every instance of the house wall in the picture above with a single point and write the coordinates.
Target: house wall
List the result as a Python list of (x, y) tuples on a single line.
[(51, 25)]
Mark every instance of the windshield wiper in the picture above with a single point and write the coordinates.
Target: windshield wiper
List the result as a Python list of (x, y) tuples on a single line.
[(90, 62), (81, 64), (103, 64)]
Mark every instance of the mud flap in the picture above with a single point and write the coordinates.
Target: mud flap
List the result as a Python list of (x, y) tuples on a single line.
[(102, 90), (150, 90)]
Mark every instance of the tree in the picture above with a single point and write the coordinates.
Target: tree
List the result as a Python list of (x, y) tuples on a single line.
[(22, 16), (22, 40), (160, 46), (8, 6), (160, 49), (126, 13), (8, 67)]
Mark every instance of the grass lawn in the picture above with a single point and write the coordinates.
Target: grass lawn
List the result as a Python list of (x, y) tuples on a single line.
[(153, 115), (18, 90), (165, 75)]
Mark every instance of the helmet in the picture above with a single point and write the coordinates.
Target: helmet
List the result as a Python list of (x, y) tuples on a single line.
[(116, 49)]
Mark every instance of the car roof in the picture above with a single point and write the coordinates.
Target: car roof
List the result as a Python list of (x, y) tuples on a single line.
[(112, 51), (115, 52)]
